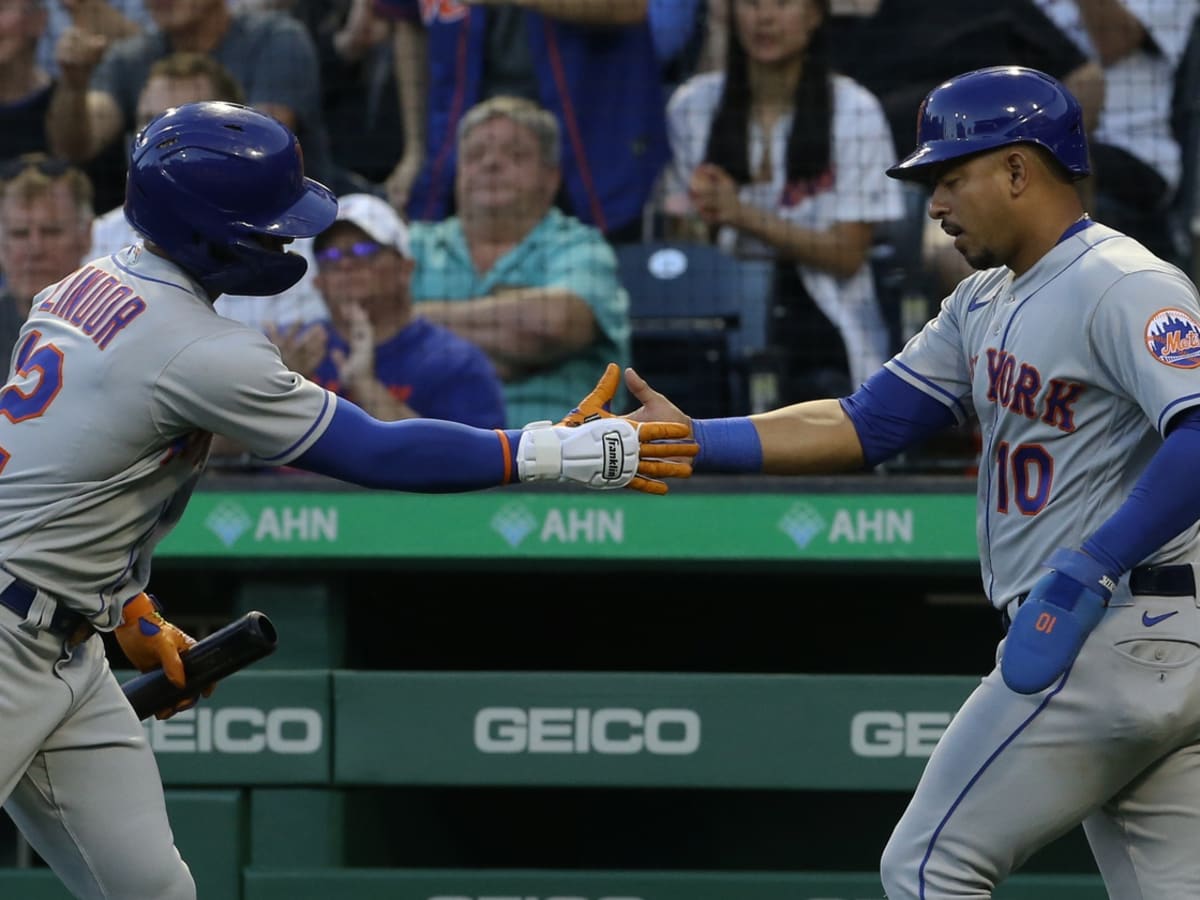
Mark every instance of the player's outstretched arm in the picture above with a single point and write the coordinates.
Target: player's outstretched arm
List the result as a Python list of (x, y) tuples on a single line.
[(806, 438), (431, 456)]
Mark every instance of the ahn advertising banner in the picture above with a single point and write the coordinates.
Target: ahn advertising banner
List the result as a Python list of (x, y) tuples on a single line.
[(628, 729), (516, 524)]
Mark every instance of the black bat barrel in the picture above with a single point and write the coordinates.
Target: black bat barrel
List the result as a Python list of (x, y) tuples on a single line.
[(225, 651)]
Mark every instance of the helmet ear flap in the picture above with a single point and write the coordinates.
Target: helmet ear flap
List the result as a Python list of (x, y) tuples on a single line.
[(220, 252)]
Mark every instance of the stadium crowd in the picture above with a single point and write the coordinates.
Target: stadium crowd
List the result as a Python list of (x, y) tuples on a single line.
[(499, 160)]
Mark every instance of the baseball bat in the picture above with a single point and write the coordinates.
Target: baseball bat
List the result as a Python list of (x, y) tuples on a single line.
[(225, 651)]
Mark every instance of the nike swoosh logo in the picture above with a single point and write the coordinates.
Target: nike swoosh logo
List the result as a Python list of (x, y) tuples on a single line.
[(1150, 621), (980, 302)]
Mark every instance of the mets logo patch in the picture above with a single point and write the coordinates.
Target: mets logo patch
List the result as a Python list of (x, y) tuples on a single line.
[(1173, 337)]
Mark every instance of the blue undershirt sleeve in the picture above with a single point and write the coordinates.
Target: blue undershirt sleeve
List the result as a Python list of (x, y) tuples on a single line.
[(419, 455), (891, 415), (1164, 502)]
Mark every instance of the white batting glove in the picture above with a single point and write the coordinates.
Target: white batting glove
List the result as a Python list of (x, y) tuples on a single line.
[(602, 454)]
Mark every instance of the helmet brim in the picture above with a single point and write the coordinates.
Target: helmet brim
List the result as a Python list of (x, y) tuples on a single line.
[(311, 214), (926, 161)]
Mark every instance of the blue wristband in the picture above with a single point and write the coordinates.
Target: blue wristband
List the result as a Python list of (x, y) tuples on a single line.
[(727, 445)]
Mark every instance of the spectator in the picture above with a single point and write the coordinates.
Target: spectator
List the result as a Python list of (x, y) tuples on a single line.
[(392, 363), (186, 78), (535, 288), (45, 224), (109, 20), (593, 65), (359, 99), (25, 87), (269, 53), (715, 39), (28, 86), (1136, 157), (787, 159), (904, 48), (908, 47)]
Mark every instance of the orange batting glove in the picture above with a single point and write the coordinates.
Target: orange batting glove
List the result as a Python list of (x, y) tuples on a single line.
[(149, 641), (666, 448)]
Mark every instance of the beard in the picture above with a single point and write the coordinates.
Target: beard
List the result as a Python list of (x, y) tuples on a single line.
[(982, 258)]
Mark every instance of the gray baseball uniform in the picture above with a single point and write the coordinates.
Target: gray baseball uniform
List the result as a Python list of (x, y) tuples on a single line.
[(119, 377), (1074, 370)]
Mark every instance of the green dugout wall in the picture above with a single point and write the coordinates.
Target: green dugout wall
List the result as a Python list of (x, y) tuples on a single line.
[(311, 776)]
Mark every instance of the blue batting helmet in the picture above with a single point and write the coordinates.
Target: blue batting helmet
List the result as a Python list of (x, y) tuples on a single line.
[(209, 181), (995, 107)]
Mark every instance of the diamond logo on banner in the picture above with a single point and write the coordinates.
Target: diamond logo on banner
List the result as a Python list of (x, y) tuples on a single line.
[(801, 523), (514, 522), (228, 522)]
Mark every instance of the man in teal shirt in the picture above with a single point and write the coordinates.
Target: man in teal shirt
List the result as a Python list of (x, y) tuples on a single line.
[(536, 289)]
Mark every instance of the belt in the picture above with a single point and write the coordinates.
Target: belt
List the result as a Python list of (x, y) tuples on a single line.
[(1163, 581), (1144, 581), (65, 623)]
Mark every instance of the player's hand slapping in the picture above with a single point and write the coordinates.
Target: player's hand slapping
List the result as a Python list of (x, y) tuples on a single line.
[(655, 406), (656, 448), (150, 642)]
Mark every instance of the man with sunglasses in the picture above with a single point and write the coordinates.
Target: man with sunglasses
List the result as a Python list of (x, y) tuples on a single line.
[(375, 350), (122, 375), (45, 230)]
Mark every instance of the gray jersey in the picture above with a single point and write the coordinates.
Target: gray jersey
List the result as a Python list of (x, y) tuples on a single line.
[(120, 376), (1068, 426)]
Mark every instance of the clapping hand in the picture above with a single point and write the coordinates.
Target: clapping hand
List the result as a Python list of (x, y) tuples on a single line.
[(714, 194), (301, 345), (357, 363)]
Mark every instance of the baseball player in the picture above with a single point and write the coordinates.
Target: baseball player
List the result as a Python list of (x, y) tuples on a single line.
[(1078, 352), (119, 378)]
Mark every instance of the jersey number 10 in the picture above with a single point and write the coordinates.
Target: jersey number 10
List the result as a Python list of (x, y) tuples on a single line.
[(1023, 476)]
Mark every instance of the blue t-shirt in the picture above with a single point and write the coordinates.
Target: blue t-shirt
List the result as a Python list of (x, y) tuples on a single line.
[(433, 370)]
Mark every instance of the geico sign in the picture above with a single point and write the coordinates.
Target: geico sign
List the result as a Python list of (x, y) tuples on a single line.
[(891, 733), (553, 729), (238, 729)]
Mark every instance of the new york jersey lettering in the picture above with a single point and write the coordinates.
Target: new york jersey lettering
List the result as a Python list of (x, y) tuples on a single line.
[(1018, 388)]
